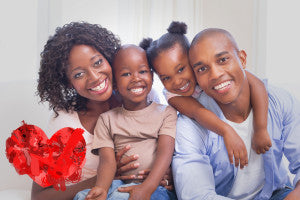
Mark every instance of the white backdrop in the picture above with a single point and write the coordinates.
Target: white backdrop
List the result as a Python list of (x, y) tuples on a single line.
[(267, 29)]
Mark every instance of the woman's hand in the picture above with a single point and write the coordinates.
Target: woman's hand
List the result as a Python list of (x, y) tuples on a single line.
[(125, 164)]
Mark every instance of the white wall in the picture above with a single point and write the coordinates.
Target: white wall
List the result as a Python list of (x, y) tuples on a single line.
[(266, 29), (283, 44), (19, 64)]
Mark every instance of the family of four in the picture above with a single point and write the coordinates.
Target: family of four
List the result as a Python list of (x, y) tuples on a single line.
[(229, 137)]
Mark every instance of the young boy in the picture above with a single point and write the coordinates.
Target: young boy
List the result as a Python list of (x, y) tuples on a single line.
[(147, 126)]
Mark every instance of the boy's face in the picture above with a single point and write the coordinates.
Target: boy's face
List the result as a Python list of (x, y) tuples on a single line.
[(218, 67), (175, 72), (133, 77)]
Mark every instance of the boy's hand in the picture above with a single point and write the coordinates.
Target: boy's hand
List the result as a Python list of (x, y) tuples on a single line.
[(136, 192), (96, 193), (235, 147), (261, 141)]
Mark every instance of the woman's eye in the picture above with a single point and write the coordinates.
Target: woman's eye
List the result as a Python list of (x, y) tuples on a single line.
[(181, 69), (78, 75), (98, 62)]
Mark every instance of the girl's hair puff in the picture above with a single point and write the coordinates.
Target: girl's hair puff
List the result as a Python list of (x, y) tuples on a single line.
[(176, 35), (53, 84)]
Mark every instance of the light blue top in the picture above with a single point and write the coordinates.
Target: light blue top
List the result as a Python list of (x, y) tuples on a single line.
[(201, 167)]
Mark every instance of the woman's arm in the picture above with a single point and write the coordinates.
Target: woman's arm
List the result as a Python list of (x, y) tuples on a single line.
[(190, 107), (261, 141), (49, 193)]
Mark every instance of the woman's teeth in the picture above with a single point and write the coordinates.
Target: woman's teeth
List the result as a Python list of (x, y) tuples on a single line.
[(99, 87), (222, 85)]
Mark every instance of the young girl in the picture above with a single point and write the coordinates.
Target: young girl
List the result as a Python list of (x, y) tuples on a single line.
[(168, 56), (149, 128)]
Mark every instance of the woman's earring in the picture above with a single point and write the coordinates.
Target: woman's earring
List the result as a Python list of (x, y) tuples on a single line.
[(72, 96)]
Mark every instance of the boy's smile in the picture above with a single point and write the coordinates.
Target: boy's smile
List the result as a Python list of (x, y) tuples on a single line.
[(133, 76)]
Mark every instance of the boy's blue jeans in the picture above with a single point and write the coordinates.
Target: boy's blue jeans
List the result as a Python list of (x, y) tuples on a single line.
[(160, 193)]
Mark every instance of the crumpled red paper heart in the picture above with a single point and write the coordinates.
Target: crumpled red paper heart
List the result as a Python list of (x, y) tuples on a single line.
[(49, 162)]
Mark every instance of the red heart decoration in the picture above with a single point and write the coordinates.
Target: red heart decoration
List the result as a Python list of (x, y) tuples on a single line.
[(55, 161)]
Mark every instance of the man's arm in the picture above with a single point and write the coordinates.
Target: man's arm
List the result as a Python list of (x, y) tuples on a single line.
[(193, 174), (290, 115)]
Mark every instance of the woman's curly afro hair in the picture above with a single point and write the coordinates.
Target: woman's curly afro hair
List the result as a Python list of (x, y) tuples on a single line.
[(53, 84)]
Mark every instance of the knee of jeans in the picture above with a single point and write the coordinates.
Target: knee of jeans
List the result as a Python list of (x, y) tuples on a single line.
[(81, 195)]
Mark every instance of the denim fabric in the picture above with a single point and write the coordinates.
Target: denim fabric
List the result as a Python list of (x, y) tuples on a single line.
[(113, 194), (281, 193)]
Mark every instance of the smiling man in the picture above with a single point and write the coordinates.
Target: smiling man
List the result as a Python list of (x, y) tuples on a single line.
[(201, 167)]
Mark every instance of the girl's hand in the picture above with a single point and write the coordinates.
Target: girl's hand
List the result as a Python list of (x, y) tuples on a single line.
[(261, 141), (235, 147), (136, 192), (125, 164), (166, 181), (96, 193)]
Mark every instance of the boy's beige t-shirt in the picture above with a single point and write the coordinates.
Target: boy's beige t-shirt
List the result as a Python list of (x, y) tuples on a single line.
[(119, 127)]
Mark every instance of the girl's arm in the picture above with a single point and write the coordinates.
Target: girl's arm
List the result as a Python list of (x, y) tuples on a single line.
[(105, 173), (261, 141), (190, 107), (162, 162)]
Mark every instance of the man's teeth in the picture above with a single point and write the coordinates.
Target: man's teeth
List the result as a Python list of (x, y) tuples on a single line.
[(222, 85), (99, 87), (136, 90), (184, 87)]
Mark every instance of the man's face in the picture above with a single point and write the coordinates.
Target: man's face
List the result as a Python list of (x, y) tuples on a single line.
[(218, 68)]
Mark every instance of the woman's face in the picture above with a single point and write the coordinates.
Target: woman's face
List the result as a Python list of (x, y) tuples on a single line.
[(90, 73)]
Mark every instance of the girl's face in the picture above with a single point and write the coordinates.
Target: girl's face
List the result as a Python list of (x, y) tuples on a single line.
[(133, 77), (90, 73), (175, 72)]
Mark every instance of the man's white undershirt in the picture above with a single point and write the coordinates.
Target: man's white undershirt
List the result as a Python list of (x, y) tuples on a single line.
[(250, 180)]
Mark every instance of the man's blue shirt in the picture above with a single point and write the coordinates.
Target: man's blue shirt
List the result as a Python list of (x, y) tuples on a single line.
[(201, 167)]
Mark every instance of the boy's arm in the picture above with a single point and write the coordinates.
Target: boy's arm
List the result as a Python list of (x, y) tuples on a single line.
[(162, 162), (190, 107), (105, 173), (259, 101), (164, 153)]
